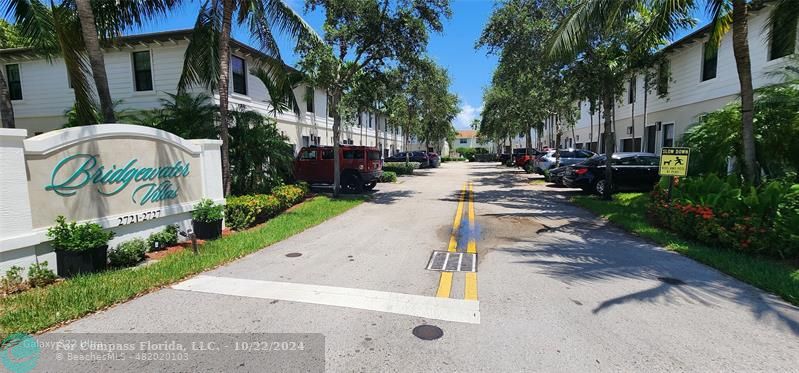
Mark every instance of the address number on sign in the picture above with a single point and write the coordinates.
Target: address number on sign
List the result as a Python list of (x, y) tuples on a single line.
[(138, 218)]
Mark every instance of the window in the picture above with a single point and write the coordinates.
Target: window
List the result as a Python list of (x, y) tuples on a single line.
[(784, 40), (631, 90), (668, 135), (373, 155), (14, 82), (306, 141), (663, 78), (308, 155), (309, 93), (710, 59), (142, 71), (463, 141), (239, 70), (647, 161), (327, 154)]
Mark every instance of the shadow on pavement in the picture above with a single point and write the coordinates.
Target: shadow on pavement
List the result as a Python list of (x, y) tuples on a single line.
[(585, 248)]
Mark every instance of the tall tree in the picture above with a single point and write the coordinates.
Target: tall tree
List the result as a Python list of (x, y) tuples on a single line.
[(207, 58), (361, 36)]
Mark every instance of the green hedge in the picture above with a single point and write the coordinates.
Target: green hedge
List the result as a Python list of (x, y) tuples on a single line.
[(388, 177), (401, 168), (452, 159), (245, 211), (718, 212)]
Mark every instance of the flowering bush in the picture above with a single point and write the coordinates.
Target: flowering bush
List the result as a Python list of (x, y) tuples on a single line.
[(245, 211), (718, 212)]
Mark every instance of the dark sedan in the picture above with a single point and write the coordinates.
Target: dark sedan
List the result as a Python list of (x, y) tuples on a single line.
[(418, 156), (555, 175), (631, 171)]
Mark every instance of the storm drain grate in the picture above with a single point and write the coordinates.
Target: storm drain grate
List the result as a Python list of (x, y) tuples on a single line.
[(452, 261)]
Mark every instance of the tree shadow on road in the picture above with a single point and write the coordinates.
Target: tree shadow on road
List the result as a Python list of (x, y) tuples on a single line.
[(584, 248)]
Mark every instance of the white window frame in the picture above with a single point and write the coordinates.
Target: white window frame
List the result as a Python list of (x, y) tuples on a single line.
[(133, 73)]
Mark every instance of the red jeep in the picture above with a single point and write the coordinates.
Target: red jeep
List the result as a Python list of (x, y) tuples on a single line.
[(361, 166)]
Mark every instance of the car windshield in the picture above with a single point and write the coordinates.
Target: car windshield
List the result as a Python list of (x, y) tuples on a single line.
[(374, 155)]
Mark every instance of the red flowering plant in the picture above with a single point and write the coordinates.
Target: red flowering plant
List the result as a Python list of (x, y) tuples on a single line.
[(719, 213)]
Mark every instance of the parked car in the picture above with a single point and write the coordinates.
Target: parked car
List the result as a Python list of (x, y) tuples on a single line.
[(435, 160), (360, 166), (567, 157), (511, 158), (416, 156), (555, 175), (631, 171)]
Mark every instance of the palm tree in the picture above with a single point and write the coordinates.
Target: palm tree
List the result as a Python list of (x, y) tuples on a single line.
[(207, 57), (724, 14)]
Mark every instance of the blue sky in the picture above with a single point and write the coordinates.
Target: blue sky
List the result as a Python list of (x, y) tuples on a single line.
[(470, 70)]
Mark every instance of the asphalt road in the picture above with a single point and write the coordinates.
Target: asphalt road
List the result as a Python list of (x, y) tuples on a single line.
[(556, 290)]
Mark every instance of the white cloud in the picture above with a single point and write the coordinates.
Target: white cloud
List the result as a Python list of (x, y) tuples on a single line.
[(466, 116)]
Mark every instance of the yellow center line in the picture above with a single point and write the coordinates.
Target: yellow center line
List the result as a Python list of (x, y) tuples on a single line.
[(470, 289), (445, 281)]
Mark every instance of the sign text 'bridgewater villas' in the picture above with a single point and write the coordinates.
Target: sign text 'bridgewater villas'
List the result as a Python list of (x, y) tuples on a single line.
[(79, 170)]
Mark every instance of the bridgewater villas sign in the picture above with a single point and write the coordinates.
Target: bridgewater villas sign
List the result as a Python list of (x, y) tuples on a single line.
[(77, 171), (112, 174)]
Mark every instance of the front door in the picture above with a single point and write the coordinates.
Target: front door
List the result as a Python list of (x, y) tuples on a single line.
[(651, 137), (326, 165)]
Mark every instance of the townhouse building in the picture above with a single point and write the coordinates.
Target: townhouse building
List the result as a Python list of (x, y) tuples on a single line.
[(694, 80), (142, 69)]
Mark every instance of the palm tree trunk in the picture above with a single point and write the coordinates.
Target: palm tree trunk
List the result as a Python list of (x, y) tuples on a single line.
[(607, 102), (740, 47), (646, 97), (224, 74), (529, 142), (96, 60), (6, 108), (335, 99)]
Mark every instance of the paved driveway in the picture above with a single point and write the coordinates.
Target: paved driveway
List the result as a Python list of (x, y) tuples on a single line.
[(556, 289)]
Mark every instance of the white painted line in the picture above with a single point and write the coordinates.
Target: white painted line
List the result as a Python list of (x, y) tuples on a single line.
[(460, 259), (474, 262), (446, 259), (432, 260), (447, 309)]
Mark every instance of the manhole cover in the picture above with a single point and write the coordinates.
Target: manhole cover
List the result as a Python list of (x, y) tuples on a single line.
[(671, 280), (428, 332), (293, 255)]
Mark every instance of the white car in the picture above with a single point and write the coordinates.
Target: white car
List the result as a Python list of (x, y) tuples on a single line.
[(567, 157)]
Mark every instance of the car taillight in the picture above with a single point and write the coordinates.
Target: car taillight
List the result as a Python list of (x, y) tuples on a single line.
[(581, 171)]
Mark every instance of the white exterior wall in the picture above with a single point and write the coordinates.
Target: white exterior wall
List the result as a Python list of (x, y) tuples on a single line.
[(47, 96), (688, 96)]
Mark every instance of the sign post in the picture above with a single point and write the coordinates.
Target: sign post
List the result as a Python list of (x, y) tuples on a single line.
[(673, 163)]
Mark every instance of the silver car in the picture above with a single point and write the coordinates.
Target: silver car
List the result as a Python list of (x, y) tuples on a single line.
[(567, 157)]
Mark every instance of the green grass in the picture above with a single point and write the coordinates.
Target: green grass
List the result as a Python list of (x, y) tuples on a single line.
[(628, 210), (39, 309)]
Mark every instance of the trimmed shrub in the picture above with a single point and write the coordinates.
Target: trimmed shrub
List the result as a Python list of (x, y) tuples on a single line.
[(77, 237), (39, 275), (718, 212), (245, 211), (207, 211), (452, 159), (400, 168), (388, 177), (163, 239), (128, 253)]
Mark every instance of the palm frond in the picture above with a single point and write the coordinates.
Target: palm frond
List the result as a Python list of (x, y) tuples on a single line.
[(35, 22), (573, 31), (114, 17), (785, 12), (67, 30), (279, 14), (201, 60), (280, 84), (720, 12)]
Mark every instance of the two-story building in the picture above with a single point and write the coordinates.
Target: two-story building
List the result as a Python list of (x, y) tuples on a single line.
[(691, 82), (143, 68)]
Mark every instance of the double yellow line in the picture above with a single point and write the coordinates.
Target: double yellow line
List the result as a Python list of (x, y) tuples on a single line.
[(445, 282)]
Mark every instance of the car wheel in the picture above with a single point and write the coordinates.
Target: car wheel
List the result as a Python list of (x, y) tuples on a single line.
[(370, 186), (352, 183), (600, 186)]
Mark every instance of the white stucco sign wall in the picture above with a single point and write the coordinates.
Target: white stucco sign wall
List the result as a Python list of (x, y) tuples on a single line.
[(132, 179)]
